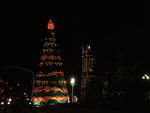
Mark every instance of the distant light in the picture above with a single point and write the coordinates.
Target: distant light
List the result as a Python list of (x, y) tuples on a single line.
[(29, 103), (27, 98), (106, 72), (143, 77), (37, 104), (8, 103), (2, 103), (89, 47), (6, 83), (9, 99), (10, 88), (24, 93), (146, 77), (18, 84), (1, 81)]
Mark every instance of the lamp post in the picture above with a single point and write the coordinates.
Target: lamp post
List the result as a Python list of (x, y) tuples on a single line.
[(72, 81)]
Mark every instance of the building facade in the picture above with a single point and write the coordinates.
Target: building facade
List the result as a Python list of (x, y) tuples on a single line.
[(88, 69)]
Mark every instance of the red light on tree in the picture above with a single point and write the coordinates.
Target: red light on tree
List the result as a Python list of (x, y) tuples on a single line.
[(50, 25)]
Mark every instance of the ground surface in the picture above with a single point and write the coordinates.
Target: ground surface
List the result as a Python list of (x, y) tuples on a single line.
[(76, 109)]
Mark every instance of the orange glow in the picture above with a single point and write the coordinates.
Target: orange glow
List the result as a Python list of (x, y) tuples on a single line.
[(50, 25), (46, 89), (47, 98)]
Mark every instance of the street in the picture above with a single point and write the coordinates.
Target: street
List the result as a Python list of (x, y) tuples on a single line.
[(75, 109)]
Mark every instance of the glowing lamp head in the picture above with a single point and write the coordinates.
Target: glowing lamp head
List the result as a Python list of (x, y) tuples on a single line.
[(9, 99), (148, 77), (8, 103), (2, 103), (72, 81), (89, 47), (143, 77), (50, 25)]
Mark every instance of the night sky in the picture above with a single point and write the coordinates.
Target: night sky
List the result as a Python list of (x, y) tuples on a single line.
[(120, 34)]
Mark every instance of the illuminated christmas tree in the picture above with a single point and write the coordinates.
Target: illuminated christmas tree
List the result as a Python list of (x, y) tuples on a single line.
[(49, 82)]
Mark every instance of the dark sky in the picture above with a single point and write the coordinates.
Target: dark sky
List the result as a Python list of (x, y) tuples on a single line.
[(119, 31)]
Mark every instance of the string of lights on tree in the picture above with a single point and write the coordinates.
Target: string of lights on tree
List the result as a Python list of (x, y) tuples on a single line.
[(49, 82)]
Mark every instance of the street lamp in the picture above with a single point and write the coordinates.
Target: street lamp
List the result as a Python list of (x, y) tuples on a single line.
[(72, 81)]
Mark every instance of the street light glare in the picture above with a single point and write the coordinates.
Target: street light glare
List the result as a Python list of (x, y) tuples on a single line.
[(2, 103), (146, 77), (9, 99), (8, 103), (143, 77), (89, 47), (72, 81)]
